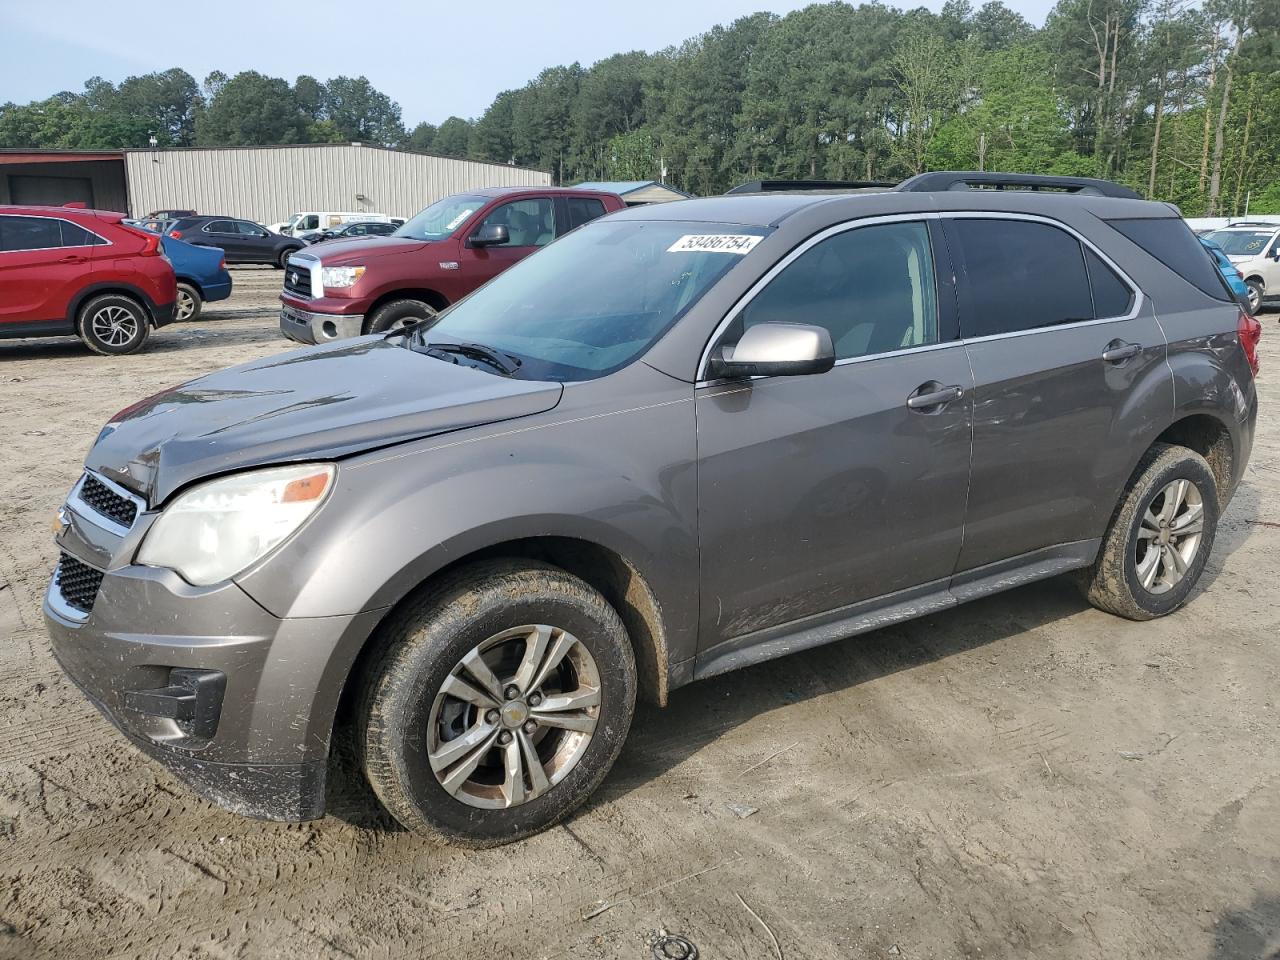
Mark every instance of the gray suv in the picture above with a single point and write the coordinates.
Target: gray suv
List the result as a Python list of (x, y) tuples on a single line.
[(680, 440)]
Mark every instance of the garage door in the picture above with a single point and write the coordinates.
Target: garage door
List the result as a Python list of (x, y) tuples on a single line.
[(50, 191)]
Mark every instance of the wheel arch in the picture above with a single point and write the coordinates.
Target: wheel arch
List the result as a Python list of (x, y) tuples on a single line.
[(433, 298), (1210, 437), (618, 580), (110, 287)]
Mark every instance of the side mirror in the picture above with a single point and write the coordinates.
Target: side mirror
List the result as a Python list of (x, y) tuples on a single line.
[(777, 350), (490, 235)]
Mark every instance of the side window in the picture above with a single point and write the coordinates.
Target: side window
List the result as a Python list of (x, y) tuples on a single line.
[(309, 222), (1021, 276), (1111, 295), (74, 235), (219, 226), (247, 229), (584, 210), (871, 287), (29, 233), (530, 223), (1171, 241)]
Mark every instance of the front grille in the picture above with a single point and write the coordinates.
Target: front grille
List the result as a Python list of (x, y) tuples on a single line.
[(107, 502), (297, 280), (77, 582)]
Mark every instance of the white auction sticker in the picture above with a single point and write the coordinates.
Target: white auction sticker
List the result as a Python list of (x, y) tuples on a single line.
[(738, 243), (456, 222)]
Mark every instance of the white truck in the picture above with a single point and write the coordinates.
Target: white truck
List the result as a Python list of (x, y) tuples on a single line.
[(302, 225)]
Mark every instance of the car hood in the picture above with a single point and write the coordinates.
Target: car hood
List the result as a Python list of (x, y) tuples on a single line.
[(316, 403), (337, 252)]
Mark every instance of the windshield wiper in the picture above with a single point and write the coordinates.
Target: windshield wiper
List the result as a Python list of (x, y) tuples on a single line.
[(504, 362)]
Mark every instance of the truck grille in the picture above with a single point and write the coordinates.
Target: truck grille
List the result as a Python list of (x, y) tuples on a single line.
[(107, 502), (77, 582), (297, 280)]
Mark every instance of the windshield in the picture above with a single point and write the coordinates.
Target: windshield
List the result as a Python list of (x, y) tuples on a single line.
[(441, 218), (1242, 243), (597, 299)]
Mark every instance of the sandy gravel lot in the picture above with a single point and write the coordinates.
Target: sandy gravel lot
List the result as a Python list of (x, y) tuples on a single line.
[(1021, 777)]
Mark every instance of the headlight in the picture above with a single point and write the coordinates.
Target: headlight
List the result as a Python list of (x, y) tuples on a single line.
[(338, 277), (217, 529)]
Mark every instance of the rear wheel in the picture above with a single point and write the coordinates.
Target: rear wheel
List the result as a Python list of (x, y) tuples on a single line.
[(189, 303), (113, 324), (502, 700), (398, 313), (1255, 295), (1159, 539)]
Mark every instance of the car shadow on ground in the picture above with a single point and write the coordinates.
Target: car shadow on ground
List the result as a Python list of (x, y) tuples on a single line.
[(702, 712), (172, 339), (1250, 933)]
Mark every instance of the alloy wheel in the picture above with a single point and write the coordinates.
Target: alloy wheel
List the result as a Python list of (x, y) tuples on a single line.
[(186, 305), (514, 716), (1255, 299), (114, 326), (1169, 536)]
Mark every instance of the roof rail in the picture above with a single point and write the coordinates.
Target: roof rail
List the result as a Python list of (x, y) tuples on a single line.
[(973, 179), (792, 186)]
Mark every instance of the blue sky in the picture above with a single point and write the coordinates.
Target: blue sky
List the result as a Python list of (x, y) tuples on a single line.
[(433, 58)]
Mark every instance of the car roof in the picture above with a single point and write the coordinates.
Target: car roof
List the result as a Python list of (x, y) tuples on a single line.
[(46, 211), (541, 191)]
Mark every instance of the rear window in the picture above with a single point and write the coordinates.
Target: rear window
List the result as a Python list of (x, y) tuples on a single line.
[(43, 233), (1111, 295), (1171, 241), (583, 210)]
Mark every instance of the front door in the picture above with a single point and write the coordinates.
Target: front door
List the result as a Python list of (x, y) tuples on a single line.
[(530, 223), (817, 492), (1058, 340)]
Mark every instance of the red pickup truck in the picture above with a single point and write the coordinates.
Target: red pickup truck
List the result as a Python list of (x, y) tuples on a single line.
[(345, 288)]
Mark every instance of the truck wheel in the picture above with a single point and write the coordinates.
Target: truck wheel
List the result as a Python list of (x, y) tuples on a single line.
[(500, 702), (397, 313), (1159, 539), (113, 324), (189, 303)]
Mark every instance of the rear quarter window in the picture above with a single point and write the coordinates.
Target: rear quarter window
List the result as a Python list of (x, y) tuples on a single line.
[(1171, 241)]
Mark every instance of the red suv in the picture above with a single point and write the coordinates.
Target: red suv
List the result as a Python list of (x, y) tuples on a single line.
[(345, 288), (72, 272)]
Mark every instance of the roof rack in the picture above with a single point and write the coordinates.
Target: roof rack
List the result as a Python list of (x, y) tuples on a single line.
[(793, 186), (971, 180)]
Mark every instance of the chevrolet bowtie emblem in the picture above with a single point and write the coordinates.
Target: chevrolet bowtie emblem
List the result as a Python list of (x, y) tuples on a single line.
[(61, 521)]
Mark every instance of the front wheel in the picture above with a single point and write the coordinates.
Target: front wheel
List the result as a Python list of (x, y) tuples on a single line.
[(1255, 296), (397, 314), (1159, 539), (502, 699), (282, 261), (113, 324)]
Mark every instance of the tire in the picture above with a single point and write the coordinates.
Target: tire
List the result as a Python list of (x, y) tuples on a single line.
[(113, 324), (397, 313), (1255, 296), (405, 717), (188, 305), (1115, 582), (282, 261)]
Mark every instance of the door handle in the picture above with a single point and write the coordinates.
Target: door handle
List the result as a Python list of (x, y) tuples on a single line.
[(933, 395), (74, 259), (1118, 351)]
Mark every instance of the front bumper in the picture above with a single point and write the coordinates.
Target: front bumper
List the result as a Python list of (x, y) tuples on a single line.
[(303, 326), (265, 752)]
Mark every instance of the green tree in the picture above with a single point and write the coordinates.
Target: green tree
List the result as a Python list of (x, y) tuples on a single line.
[(453, 139), (251, 109), (360, 112)]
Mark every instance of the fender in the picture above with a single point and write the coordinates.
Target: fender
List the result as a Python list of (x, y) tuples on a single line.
[(112, 286)]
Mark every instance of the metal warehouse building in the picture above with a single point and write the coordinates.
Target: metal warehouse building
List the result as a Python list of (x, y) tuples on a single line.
[(266, 184)]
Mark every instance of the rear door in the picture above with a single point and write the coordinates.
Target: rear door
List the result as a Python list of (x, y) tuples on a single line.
[(1060, 343), (530, 223), (222, 234), (579, 210), (43, 262), (818, 492)]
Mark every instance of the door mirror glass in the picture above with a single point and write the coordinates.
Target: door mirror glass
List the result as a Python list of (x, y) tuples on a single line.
[(491, 235), (777, 350)]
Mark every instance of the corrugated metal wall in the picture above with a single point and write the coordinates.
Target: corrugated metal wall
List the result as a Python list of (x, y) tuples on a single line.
[(267, 184)]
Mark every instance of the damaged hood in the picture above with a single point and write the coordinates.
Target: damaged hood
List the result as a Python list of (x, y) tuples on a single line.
[(317, 403)]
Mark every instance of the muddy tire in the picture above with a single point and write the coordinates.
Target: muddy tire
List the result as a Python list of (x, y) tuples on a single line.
[(397, 313), (453, 746), (1159, 539), (113, 324)]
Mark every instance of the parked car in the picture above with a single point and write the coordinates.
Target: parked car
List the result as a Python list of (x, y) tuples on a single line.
[(72, 272), (1229, 273), (313, 221), (352, 230), (686, 438), (201, 273), (441, 255), (169, 214), (243, 241), (152, 224), (1254, 250)]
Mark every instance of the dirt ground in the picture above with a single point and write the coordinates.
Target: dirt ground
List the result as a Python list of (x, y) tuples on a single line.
[(1020, 777)]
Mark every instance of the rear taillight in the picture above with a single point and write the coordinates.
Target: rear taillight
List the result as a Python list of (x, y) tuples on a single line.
[(1249, 330), (150, 241), (223, 264), (176, 234)]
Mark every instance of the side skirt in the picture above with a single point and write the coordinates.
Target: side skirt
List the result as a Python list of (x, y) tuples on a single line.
[(893, 608)]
